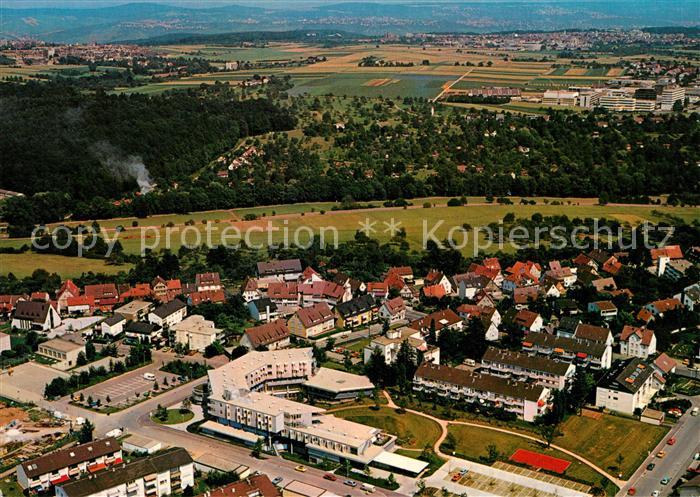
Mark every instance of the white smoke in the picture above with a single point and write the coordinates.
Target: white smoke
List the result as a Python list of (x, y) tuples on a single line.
[(124, 166)]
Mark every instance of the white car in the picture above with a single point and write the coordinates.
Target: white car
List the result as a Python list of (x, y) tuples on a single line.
[(655, 493)]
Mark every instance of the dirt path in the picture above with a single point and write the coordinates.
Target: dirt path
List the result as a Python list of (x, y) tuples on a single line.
[(449, 87)]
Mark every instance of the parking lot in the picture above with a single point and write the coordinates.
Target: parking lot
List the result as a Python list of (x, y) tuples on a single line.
[(561, 482), (129, 387), (496, 486), (27, 381)]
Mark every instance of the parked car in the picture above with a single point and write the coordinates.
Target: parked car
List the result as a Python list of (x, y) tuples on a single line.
[(300, 468), (655, 493), (671, 441), (695, 411), (463, 471), (665, 480), (277, 480), (330, 476), (650, 466), (661, 454), (350, 483), (456, 477), (632, 491)]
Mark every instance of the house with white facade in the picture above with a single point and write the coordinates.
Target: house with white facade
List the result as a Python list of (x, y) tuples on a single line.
[(628, 386), (168, 314), (637, 342)]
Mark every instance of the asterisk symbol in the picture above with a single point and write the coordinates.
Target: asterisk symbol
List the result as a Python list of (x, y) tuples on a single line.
[(367, 227), (392, 226)]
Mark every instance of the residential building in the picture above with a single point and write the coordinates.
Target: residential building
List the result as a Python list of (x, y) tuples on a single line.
[(196, 332), (288, 269), (263, 309), (68, 290), (393, 310), (526, 401), (490, 318), (63, 351), (309, 322), (628, 386), (143, 332), (603, 308), (528, 367), (113, 326), (528, 321), (389, 345), (357, 312), (106, 295), (37, 316), (136, 310), (41, 473), (168, 314), (209, 296), (335, 385), (159, 475), (438, 278), (273, 335), (637, 342), (664, 365), (9, 302), (252, 486), (81, 305), (208, 282), (439, 320), (594, 333), (322, 291), (596, 355)]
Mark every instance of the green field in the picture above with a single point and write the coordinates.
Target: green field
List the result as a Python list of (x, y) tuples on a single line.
[(394, 84), (22, 265), (472, 443), (412, 431), (601, 441)]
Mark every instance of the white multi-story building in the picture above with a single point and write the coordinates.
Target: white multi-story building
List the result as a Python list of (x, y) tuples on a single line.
[(670, 95), (60, 466), (524, 400), (519, 366), (637, 342), (390, 344), (196, 332), (168, 314), (160, 475), (628, 386)]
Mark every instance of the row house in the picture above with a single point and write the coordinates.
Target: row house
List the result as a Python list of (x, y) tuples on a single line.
[(70, 463), (544, 371), (594, 333), (526, 401), (596, 355), (166, 473), (206, 297)]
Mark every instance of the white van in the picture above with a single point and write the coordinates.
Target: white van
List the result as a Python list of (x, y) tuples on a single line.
[(694, 412), (366, 487), (149, 376)]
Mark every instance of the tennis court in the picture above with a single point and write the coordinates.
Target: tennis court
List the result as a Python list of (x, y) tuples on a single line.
[(541, 461)]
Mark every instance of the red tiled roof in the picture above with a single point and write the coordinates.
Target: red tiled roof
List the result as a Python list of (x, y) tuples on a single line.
[(395, 305), (665, 363), (434, 291), (525, 318), (645, 334), (314, 315), (591, 332), (213, 296), (267, 333), (444, 318), (670, 251), (80, 300)]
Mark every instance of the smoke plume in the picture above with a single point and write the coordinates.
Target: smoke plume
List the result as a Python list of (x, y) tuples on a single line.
[(124, 166)]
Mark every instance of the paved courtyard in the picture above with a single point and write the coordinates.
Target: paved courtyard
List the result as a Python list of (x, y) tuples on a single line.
[(27, 382)]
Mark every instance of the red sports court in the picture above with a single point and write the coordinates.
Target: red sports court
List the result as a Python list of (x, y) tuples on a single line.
[(540, 461)]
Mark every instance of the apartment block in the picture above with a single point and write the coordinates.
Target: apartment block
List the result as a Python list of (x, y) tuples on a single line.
[(526, 401), (167, 473), (527, 367), (628, 386), (586, 353), (63, 465), (670, 95)]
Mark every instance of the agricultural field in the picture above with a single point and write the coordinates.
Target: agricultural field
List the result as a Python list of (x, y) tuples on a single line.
[(25, 264)]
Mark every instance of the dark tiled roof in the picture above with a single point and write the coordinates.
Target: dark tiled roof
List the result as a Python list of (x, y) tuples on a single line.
[(591, 332), (34, 311), (70, 456), (277, 267), (479, 382), (530, 362), (574, 345), (262, 304), (356, 306), (165, 310), (141, 328), (627, 376), (160, 463)]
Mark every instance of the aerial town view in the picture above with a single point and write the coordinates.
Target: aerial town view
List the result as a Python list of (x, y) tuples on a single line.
[(317, 248)]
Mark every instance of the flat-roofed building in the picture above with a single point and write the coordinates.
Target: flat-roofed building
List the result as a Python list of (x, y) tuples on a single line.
[(618, 101), (136, 310), (331, 384), (560, 97), (167, 473), (41, 473), (63, 351), (670, 95), (519, 366), (526, 401), (196, 332)]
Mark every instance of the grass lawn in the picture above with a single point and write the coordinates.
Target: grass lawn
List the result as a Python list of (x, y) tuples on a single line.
[(10, 488), (175, 417), (22, 265), (601, 441), (472, 443), (413, 431)]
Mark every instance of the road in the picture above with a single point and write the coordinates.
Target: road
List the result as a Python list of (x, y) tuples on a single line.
[(678, 457), (449, 87), (136, 420)]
